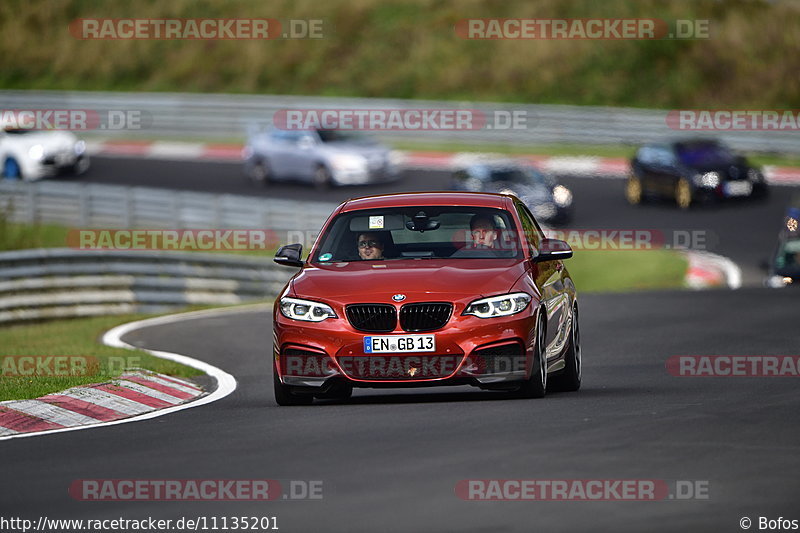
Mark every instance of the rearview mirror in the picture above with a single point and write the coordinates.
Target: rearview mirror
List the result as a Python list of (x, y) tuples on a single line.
[(290, 255), (552, 250)]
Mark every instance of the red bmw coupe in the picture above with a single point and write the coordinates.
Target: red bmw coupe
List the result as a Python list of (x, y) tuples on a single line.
[(427, 289)]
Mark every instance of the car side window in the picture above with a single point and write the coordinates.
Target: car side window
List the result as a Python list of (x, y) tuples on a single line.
[(533, 234)]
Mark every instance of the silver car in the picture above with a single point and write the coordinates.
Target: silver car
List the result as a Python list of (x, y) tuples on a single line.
[(322, 157)]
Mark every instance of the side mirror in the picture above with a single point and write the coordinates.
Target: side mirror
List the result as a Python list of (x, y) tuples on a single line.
[(290, 255), (552, 250), (305, 143)]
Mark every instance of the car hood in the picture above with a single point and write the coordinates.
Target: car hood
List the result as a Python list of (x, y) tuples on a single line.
[(532, 194), (51, 141), (419, 280), (734, 170), (365, 149)]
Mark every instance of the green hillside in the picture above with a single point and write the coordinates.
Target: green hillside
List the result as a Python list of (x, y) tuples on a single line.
[(390, 48)]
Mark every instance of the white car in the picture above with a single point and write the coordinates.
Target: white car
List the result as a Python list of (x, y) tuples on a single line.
[(35, 154)]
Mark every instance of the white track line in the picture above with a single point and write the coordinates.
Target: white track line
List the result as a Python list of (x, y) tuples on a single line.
[(194, 391), (731, 271), (226, 383)]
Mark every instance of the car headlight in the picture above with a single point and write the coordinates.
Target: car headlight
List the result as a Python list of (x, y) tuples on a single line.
[(505, 305), (305, 310), (396, 158), (709, 179), (79, 147), (562, 196), (349, 162), (36, 152)]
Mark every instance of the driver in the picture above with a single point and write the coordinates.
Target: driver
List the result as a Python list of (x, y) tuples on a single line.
[(484, 231), (370, 246)]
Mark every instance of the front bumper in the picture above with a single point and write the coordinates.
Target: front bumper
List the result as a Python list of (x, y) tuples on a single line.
[(731, 190), (488, 353), (53, 165), (361, 176)]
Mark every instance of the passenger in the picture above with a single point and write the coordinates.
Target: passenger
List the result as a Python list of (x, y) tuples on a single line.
[(370, 246), (484, 231)]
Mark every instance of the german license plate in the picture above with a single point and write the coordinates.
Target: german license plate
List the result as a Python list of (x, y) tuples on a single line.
[(400, 344), (738, 188)]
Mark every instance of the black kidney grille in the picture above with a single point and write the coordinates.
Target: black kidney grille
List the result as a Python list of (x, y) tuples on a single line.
[(375, 318), (425, 316)]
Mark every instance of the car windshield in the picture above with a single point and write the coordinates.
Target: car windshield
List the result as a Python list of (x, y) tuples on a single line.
[(423, 232), (338, 136), (704, 154), (521, 175)]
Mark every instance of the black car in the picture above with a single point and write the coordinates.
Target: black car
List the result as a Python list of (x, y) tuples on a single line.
[(784, 269), (548, 200), (692, 171)]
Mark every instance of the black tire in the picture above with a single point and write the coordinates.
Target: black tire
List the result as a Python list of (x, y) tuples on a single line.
[(322, 178), (261, 174), (536, 385), (284, 394), (570, 378)]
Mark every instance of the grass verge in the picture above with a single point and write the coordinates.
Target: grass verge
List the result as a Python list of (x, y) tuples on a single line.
[(402, 49), (627, 270), (79, 338)]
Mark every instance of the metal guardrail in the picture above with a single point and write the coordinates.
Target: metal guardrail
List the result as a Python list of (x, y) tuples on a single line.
[(90, 205), (57, 282), (226, 115)]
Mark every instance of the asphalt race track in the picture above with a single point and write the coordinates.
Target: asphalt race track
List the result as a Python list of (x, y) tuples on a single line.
[(744, 231), (389, 461)]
